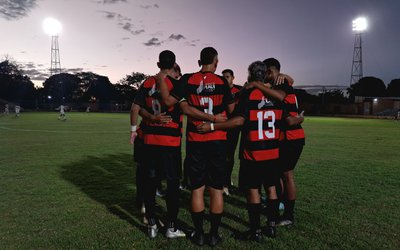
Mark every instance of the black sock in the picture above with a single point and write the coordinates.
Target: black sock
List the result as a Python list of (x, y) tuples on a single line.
[(172, 200), (215, 220), (198, 218), (273, 210), (149, 190), (289, 208), (254, 210)]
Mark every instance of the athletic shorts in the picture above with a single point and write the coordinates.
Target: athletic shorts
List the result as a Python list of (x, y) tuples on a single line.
[(253, 174), (162, 162), (138, 150), (206, 163), (289, 154)]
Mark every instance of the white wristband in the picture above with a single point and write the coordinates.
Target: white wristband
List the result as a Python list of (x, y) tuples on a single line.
[(133, 128), (212, 126)]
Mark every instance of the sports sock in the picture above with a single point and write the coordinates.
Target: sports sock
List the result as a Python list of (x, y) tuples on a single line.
[(215, 220), (289, 208), (198, 218), (254, 210), (273, 210), (172, 200)]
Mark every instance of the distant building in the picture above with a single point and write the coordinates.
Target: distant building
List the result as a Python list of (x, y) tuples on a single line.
[(385, 106)]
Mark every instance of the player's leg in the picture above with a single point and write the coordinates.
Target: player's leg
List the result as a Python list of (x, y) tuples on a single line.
[(232, 139), (292, 155), (271, 178), (250, 180), (149, 190), (172, 163), (216, 172), (196, 163)]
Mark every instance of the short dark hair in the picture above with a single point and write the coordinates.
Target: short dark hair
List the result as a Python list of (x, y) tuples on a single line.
[(257, 71), (229, 71), (272, 62), (178, 69), (207, 56), (166, 59)]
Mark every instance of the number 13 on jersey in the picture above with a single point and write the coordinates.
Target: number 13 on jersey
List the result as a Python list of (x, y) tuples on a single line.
[(270, 132)]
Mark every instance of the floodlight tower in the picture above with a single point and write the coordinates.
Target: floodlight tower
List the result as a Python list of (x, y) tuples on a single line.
[(52, 27), (359, 26)]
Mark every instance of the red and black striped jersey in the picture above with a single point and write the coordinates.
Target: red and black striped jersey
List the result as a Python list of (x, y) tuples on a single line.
[(261, 130), (209, 93), (149, 98), (295, 133), (235, 90)]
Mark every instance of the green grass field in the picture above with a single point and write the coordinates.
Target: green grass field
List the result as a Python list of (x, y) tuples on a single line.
[(70, 185)]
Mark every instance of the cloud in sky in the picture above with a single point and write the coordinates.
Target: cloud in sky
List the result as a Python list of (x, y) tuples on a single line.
[(153, 42), (176, 37), (124, 22), (37, 72), (16, 9), (150, 6), (111, 1)]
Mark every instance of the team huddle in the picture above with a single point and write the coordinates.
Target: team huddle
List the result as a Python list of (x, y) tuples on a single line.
[(264, 111)]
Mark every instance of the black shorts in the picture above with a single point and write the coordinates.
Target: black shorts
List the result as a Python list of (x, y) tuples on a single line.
[(289, 154), (162, 162), (206, 163), (138, 150), (232, 141), (253, 174)]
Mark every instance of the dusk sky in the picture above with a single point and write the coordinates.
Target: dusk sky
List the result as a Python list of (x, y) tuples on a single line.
[(313, 39)]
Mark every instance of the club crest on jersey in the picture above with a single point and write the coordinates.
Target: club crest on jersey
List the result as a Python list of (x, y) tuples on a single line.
[(153, 91), (265, 103), (205, 88)]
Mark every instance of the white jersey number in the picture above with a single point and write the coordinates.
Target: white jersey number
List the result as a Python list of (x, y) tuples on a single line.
[(209, 101), (261, 116), (156, 105)]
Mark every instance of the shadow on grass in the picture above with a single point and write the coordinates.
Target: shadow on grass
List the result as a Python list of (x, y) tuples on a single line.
[(109, 180)]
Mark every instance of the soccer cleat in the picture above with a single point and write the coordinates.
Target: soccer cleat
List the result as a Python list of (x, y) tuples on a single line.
[(285, 222), (256, 236), (160, 193), (197, 238), (214, 240), (152, 231), (271, 230), (172, 233)]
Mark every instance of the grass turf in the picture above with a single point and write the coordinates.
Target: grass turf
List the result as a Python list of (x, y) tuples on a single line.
[(71, 185)]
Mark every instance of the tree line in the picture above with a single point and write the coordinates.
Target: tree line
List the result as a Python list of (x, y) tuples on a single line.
[(81, 88)]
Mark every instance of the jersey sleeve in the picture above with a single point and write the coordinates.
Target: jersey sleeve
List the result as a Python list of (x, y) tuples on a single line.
[(285, 87), (140, 97), (241, 109), (179, 91), (228, 96)]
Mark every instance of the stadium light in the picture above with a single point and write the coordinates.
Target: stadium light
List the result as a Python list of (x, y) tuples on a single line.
[(360, 24), (375, 99), (49, 97), (51, 26)]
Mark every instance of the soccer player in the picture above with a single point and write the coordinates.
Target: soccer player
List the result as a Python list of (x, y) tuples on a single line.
[(62, 113), (6, 109), (232, 134), (161, 149), (260, 117), (209, 94), (292, 144), (17, 110)]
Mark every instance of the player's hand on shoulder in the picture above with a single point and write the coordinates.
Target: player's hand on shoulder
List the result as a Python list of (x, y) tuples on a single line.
[(220, 118), (203, 128)]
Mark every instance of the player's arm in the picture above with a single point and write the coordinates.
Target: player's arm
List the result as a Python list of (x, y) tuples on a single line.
[(282, 77), (278, 95), (233, 122), (199, 115), (150, 118), (295, 120), (134, 116), (166, 97)]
